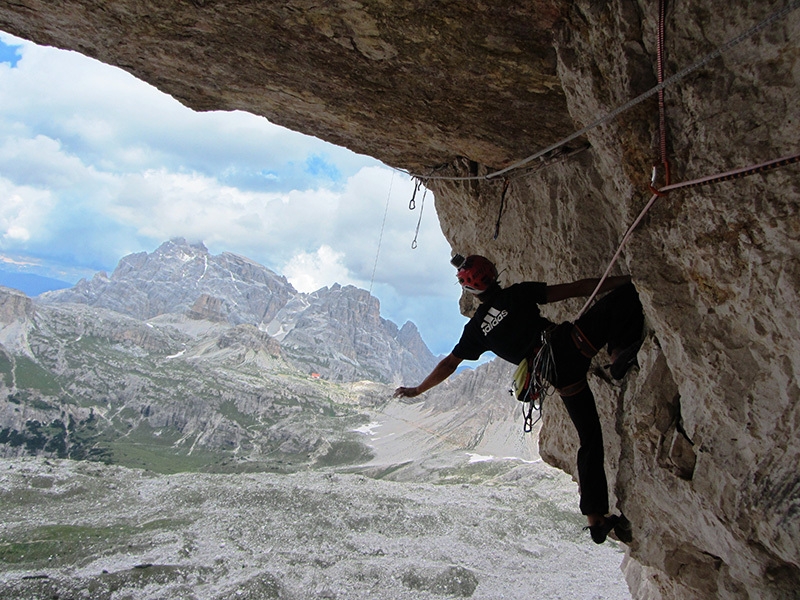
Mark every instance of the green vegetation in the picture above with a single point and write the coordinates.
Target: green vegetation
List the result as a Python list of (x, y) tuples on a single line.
[(229, 410), (477, 472), (54, 545), (6, 367), (273, 415), (385, 472), (78, 440), (140, 451), (41, 405), (345, 453), (158, 450), (30, 375)]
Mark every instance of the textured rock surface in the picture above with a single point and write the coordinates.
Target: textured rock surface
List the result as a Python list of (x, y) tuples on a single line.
[(703, 441), (412, 65), (14, 305)]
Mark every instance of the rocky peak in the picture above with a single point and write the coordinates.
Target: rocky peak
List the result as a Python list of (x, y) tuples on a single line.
[(176, 251), (348, 303), (178, 275), (336, 332)]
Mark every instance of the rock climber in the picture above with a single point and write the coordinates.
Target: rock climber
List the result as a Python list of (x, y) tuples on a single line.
[(508, 322)]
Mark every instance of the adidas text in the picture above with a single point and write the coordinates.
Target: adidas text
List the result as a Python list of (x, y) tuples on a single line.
[(492, 318)]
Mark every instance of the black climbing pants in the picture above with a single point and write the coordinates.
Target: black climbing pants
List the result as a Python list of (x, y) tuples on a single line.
[(591, 459), (615, 321)]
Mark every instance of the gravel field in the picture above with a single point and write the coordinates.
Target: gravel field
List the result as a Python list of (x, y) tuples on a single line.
[(510, 529)]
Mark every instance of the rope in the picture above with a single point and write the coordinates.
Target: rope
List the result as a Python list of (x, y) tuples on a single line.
[(736, 173), (662, 110), (502, 206), (543, 371), (380, 237), (624, 241), (726, 176), (637, 100)]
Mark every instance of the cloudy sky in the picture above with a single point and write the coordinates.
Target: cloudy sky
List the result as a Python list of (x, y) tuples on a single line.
[(95, 164)]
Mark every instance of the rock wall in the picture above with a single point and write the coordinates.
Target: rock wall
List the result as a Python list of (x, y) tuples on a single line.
[(702, 441), (14, 305)]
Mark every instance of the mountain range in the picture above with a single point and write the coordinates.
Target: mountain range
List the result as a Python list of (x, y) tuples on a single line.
[(336, 332), (183, 360)]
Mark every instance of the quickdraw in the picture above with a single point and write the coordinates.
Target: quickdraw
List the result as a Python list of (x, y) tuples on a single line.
[(538, 372), (413, 204)]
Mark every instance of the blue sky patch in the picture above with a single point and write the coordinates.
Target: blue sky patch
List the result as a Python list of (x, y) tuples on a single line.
[(318, 166), (113, 166), (9, 54)]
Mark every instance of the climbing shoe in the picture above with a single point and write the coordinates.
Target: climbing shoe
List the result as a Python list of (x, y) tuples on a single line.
[(624, 530), (625, 360), (600, 532), (618, 524)]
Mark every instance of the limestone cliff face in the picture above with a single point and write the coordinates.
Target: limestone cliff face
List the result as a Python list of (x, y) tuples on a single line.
[(14, 305), (702, 441)]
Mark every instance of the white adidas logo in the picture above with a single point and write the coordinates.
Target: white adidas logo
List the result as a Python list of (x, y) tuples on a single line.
[(492, 318)]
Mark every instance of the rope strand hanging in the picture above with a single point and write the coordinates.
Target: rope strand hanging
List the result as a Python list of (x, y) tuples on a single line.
[(662, 110), (726, 176), (380, 237), (502, 207)]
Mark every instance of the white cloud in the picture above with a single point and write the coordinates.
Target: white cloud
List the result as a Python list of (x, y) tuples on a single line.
[(310, 271), (38, 161), (17, 233), (23, 210), (115, 121), (161, 204), (98, 156)]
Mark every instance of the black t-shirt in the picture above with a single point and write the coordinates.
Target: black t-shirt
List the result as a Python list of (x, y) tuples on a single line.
[(510, 324)]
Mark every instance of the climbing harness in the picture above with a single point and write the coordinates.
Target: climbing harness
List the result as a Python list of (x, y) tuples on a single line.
[(532, 380), (582, 342)]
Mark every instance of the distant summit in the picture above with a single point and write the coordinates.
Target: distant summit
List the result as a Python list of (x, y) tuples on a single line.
[(178, 275), (336, 332)]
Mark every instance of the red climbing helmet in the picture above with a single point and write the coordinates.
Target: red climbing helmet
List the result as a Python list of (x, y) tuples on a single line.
[(476, 274)]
